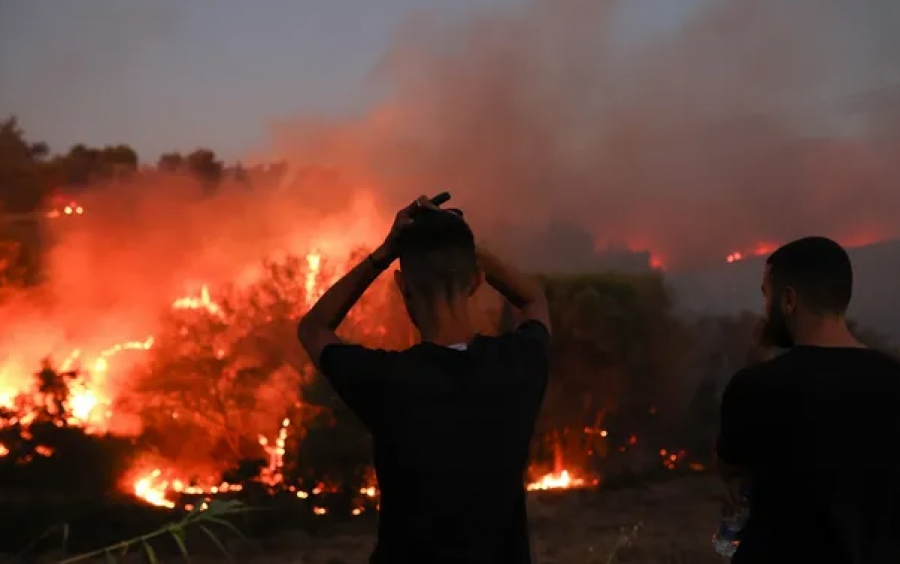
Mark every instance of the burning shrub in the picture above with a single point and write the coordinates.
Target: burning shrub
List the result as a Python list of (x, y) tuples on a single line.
[(42, 455), (225, 372), (618, 353)]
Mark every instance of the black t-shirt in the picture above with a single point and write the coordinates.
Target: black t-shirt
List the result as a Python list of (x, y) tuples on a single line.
[(451, 432), (819, 429)]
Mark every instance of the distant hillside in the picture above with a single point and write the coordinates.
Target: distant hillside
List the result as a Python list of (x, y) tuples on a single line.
[(730, 288)]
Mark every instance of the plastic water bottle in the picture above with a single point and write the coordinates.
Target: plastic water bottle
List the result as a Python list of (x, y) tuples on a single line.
[(727, 538)]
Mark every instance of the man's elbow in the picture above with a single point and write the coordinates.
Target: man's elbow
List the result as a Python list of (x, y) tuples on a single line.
[(538, 309)]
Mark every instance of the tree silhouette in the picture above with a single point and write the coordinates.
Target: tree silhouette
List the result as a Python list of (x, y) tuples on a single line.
[(83, 165), (170, 162), (202, 163), (21, 187)]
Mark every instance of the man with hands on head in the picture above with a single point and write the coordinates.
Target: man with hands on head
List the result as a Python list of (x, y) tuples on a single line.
[(452, 417)]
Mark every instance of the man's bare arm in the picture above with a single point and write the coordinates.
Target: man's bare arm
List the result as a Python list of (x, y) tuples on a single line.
[(523, 291), (317, 328)]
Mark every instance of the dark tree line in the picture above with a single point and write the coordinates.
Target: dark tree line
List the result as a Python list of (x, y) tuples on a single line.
[(30, 171), (31, 174)]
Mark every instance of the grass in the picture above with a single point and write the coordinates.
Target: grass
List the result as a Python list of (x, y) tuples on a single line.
[(654, 523), (215, 514)]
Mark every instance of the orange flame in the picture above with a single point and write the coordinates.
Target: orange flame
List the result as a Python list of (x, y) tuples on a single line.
[(557, 481), (201, 302)]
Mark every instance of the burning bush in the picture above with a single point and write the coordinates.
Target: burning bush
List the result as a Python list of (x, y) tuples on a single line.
[(42, 453), (619, 355), (226, 372)]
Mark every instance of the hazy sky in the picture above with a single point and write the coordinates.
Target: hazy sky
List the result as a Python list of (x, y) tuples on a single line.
[(163, 74)]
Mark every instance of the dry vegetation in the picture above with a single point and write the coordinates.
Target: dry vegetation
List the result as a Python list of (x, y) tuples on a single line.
[(660, 523)]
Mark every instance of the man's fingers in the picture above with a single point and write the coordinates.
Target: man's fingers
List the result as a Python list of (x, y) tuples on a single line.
[(441, 199), (416, 204), (425, 202), (422, 202)]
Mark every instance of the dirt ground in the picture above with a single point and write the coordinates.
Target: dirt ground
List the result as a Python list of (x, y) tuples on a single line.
[(663, 523), (660, 523)]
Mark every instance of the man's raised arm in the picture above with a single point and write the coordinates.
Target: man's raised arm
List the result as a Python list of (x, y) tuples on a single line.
[(523, 292), (317, 328)]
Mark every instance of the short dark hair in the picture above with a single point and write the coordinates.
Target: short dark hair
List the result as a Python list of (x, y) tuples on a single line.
[(818, 269), (437, 254)]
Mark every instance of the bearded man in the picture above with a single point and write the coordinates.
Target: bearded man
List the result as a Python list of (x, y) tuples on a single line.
[(814, 432)]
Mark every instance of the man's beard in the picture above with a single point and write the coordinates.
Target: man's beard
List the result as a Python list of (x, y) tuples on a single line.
[(776, 332)]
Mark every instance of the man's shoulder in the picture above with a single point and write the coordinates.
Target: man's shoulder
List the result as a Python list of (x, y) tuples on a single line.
[(879, 360), (781, 367), (759, 374), (529, 340), (838, 360), (761, 369), (343, 356), (359, 350)]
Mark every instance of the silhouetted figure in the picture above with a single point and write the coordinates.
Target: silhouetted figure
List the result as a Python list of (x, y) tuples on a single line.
[(452, 417), (815, 432)]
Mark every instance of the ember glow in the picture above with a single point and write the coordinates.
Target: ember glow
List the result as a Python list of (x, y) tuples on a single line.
[(760, 249), (559, 481), (159, 488), (764, 249), (72, 209), (156, 489)]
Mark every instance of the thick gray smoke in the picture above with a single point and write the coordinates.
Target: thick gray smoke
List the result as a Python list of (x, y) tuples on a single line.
[(754, 123)]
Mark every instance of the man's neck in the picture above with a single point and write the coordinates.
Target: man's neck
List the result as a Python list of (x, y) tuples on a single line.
[(448, 327), (447, 336), (829, 331)]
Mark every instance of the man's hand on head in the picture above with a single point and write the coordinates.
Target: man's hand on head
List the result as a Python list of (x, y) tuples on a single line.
[(317, 329), (387, 251)]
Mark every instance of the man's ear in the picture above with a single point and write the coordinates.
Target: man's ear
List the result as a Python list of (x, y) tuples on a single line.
[(476, 282), (789, 301)]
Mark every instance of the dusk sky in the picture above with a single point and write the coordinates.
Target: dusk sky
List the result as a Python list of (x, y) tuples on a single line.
[(176, 74)]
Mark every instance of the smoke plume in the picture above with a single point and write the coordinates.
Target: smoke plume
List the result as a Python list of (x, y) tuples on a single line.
[(755, 122)]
